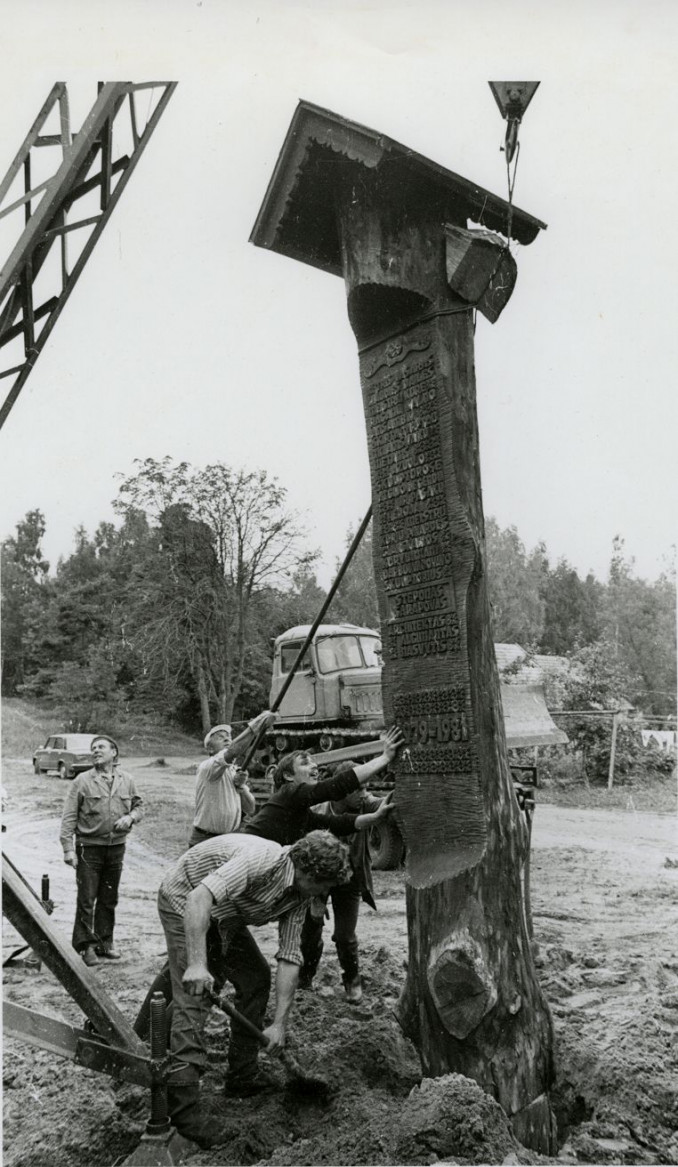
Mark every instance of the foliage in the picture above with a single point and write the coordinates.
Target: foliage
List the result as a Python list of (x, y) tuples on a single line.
[(23, 573), (172, 614), (88, 695), (356, 598), (514, 586), (224, 537), (640, 619), (275, 610), (597, 686), (75, 630), (572, 608)]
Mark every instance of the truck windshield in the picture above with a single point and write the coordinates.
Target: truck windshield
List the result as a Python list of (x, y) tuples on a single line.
[(338, 652), (288, 655), (371, 651)]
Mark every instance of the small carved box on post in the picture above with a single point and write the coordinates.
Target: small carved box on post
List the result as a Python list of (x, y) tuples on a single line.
[(394, 225)]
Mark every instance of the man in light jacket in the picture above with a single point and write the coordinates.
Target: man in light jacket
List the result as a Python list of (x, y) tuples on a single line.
[(102, 806), (222, 795)]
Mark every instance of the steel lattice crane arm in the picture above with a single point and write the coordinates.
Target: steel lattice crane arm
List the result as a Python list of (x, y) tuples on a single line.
[(93, 165)]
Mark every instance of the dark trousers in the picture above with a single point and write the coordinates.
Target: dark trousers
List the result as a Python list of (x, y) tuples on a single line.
[(98, 879), (243, 965), (345, 909), (163, 981)]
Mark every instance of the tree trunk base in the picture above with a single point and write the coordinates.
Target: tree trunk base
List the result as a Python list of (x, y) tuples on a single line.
[(535, 1126)]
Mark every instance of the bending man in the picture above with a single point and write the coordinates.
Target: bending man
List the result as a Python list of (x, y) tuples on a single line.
[(236, 880)]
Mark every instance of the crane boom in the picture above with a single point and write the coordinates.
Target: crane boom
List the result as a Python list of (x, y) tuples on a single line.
[(92, 166)]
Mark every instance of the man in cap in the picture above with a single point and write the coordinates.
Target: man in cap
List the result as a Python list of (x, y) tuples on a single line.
[(236, 880), (221, 791), (101, 807)]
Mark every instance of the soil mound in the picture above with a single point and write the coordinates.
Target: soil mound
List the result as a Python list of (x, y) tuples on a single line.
[(452, 1118)]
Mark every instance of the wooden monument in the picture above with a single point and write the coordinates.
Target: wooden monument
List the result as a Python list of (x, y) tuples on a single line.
[(395, 226)]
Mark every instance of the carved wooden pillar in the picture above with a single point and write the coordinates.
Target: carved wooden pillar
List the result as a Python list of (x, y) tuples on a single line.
[(396, 231)]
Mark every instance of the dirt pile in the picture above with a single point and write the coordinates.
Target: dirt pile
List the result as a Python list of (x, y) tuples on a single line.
[(451, 1119), (380, 1111)]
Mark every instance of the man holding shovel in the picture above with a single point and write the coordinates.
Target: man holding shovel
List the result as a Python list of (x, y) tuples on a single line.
[(237, 880)]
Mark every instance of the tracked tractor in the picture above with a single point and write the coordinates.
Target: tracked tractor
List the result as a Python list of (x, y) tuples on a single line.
[(334, 698)]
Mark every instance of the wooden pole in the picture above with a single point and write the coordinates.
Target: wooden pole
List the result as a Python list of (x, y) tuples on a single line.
[(352, 202), (472, 1002), (613, 748)]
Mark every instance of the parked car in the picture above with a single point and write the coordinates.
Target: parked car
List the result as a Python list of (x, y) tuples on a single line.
[(67, 753)]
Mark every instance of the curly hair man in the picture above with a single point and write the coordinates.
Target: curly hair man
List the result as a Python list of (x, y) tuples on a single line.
[(237, 880)]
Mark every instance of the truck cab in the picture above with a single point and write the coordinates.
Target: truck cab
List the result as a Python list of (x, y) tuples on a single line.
[(335, 696)]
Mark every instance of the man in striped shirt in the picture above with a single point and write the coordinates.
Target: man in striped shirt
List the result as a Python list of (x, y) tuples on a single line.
[(236, 880)]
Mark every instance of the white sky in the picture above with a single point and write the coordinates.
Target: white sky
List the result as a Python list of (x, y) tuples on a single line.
[(181, 338)]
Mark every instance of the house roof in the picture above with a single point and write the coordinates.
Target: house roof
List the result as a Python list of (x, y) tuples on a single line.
[(507, 655)]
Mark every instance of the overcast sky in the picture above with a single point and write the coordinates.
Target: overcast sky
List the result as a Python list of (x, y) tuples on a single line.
[(182, 338)]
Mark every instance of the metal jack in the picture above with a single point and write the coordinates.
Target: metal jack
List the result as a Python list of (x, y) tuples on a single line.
[(160, 1144), (31, 960)]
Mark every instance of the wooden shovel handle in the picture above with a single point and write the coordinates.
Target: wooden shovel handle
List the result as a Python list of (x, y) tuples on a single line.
[(226, 1007)]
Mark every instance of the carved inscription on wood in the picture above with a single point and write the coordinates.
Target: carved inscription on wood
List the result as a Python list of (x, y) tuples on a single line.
[(423, 564)]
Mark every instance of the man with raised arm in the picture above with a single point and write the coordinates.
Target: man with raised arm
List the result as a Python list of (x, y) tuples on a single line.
[(288, 814), (222, 795)]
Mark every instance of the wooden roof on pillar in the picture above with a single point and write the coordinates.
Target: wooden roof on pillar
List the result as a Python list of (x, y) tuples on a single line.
[(297, 217)]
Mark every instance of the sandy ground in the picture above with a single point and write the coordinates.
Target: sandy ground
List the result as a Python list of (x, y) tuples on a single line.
[(604, 908)]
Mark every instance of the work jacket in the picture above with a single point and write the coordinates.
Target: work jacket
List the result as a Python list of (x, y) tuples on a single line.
[(94, 804)]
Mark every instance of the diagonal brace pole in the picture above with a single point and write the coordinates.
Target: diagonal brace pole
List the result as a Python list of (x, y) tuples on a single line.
[(26, 914)]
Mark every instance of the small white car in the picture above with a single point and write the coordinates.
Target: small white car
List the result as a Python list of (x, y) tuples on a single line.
[(66, 753)]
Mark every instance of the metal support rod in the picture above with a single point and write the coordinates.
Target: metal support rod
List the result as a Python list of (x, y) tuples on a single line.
[(355, 543), (159, 1120)]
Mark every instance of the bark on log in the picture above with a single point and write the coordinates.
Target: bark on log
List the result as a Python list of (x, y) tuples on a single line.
[(351, 201), (472, 1003)]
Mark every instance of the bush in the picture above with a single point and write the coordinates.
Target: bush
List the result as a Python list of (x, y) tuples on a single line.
[(634, 762)]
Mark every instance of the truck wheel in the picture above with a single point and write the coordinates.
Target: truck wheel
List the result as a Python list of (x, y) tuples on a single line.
[(386, 846)]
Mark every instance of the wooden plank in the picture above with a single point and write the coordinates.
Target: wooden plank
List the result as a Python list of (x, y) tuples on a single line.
[(58, 1037), (27, 915), (39, 1029)]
